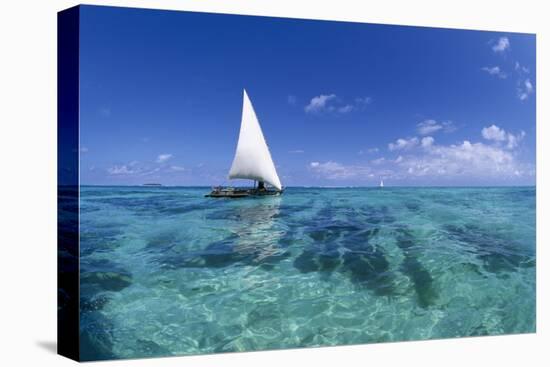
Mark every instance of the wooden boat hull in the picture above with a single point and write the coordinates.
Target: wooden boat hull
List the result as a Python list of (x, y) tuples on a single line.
[(241, 193)]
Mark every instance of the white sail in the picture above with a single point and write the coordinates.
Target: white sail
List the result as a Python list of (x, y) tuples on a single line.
[(381, 183), (252, 158)]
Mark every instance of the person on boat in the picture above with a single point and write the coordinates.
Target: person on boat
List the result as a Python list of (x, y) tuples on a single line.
[(261, 186)]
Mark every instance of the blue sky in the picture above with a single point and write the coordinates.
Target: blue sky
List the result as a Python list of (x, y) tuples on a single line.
[(339, 103)]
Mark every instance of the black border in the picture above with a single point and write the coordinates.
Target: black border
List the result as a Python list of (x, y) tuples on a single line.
[(68, 42)]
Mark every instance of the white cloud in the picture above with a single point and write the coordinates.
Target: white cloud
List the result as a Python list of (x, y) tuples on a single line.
[(370, 151), (499, 135), (319, 103), (163, 158), (528, 86), (345, 109), (476, 160), (137, 169), (525, 89), (493, 132), (513, 140), (502, 45), (521, 69), (122, 170), (403, 144), (428, 127), (522, 95), (337, 171), (149, 172), (431, 126), (456, 163), (427, 141), (524, 86), (496, 71), (133, 168), (331, 103)]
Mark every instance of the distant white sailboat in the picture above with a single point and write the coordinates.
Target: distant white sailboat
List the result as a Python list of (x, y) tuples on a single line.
[(381, 183), (252, 159)]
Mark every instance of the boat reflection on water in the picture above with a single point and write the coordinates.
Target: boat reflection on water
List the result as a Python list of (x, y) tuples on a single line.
[(256, 229)]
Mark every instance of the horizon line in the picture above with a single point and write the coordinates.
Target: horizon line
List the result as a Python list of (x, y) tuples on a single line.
[(310, 186)]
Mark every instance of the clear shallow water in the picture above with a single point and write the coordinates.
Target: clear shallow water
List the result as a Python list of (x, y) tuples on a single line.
[(165, 271)]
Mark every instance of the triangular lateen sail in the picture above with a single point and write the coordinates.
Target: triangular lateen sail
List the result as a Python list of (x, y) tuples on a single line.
[(252, 158)]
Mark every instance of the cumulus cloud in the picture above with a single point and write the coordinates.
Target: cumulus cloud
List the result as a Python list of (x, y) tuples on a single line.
[(501, 45), (403, 144), (499, 135), (450, 163), (495, 71), (513, 140), (467, 159), (427, 141), (163, 157), (493, 132), (319, 103), (492, 161)]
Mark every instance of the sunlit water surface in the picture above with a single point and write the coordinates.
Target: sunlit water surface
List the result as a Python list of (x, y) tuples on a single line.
[(166, 271)]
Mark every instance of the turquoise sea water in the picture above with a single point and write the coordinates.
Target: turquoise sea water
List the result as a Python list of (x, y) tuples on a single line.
[(165, 271)]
